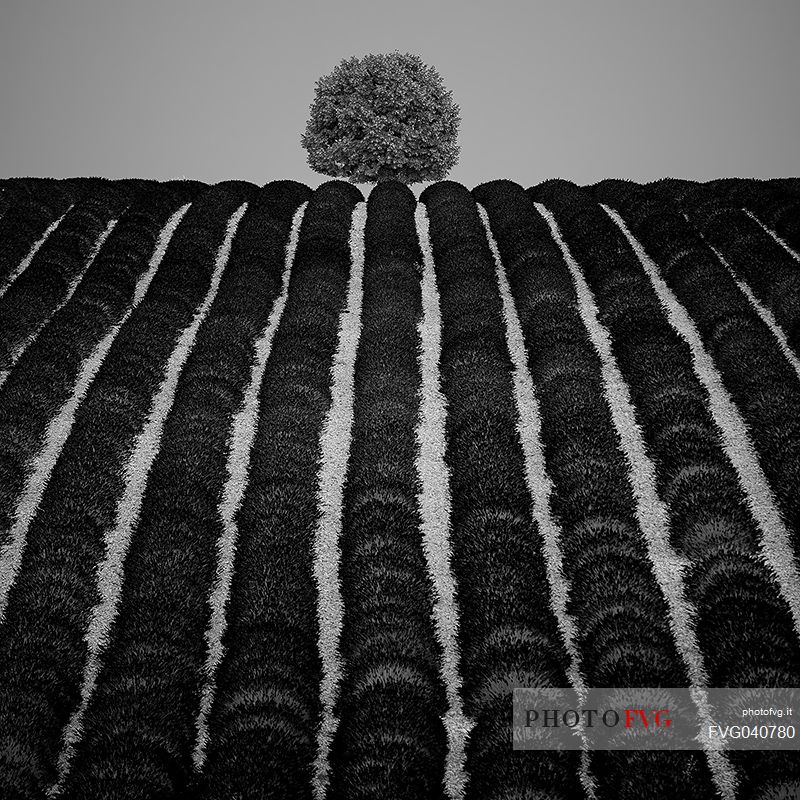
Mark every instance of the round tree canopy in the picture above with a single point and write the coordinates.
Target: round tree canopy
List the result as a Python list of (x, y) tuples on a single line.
[(382, 117)]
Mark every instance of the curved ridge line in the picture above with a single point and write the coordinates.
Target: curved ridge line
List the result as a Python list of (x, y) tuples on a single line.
[(26, 262), (335, 442), (651, 511), (540, 486), (71, 289), (435, 509), (60, 426), (242, 434), (110, 571)]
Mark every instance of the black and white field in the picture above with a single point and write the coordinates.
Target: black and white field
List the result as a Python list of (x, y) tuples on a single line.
[(296, 486)]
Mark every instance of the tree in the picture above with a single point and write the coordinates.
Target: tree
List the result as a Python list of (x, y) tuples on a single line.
[(382, 117)]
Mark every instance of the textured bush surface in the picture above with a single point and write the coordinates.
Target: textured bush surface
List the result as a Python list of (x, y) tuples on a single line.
[(296, 486), (382, 117)]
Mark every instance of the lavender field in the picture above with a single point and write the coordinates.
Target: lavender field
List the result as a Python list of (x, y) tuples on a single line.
[(296, 485)]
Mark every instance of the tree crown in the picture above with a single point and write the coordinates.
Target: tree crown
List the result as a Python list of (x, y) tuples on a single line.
[(382, 117)]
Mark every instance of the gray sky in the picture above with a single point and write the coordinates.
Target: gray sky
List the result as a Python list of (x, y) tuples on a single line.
[(578, 90)]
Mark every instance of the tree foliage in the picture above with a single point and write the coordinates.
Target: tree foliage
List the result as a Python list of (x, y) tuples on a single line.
[(382, 117)]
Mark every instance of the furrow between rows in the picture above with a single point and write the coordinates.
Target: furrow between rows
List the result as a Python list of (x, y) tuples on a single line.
[(263, 722), (19, 347), (35, 210), (540, 486), (109, 628), (240, 443), (81, 485), (56, 269), (507, 633)]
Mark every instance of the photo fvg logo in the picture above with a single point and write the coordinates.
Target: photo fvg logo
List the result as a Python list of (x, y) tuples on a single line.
[(650, 719), (654, 718)]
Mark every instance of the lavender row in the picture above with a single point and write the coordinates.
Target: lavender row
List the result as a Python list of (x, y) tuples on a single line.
[(390, 741), (44, 377), (622, 619), (508, 635), (43, 640), (38, 291), (33, 205), (141, 720), (756, 374), (743, 623), (262, 726), (733, 591)]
